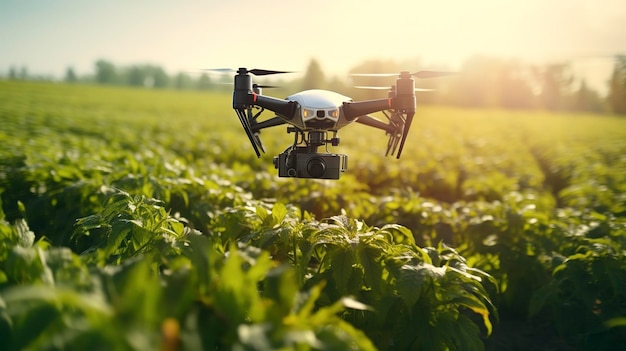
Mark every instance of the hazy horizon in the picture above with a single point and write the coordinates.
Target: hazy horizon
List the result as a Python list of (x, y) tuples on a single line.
[(49, 36)]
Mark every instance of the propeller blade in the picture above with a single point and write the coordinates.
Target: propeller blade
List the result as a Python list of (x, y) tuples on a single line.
[(431, 74), (420, 74), (388, 88), (222, 70), (262, 86), (265, 72), (371, 87), (255, 71), (374, 74)]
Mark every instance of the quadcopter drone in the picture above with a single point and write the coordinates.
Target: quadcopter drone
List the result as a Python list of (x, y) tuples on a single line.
[(312, 115)]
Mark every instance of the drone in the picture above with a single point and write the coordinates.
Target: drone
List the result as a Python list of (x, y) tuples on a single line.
[(315, 116)]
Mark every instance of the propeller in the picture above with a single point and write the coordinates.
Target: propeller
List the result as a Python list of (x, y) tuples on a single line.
[(255, 71), (420, 74), (255, 85), (258, 88), (265, 86), (387, 88)]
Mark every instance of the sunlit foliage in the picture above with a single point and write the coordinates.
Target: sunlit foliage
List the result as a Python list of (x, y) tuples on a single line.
[(141, 219)]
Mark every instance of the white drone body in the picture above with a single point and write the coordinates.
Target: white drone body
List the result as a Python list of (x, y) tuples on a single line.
[(320, 109), (313, 114)]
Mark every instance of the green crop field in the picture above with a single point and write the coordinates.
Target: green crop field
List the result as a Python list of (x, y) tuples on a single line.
[(138, 219)]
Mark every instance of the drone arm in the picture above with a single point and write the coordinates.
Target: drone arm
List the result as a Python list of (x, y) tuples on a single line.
[(395, 130), (373, 122), (283, 108), (245, 99), (272, 122), (356, 109)]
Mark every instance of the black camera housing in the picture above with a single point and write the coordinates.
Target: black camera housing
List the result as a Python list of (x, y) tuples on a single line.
[(300, 163)]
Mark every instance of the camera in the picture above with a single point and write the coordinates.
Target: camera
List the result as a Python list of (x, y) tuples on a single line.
[(298, 162)]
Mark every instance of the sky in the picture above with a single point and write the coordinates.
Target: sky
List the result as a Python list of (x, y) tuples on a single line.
[(48, 36)]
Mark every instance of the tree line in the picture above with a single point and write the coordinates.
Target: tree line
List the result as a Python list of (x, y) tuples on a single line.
[(151, 76), (492, 82), (138, 75), (482, 82)]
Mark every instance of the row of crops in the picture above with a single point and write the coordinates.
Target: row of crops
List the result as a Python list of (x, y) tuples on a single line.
[(137, 219)]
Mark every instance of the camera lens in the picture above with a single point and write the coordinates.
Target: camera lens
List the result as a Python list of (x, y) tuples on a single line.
[(316, 167)]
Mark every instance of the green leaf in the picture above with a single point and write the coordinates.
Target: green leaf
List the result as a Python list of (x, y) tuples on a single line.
[(401, 234), (467, 334), (324, 315), (342, 262), (279, 212), (28, 265), (6, 324), (33, 323), (372, 267), (539, 299), (468, 300), (410, 284), (25, 235), (306, 300), (616, 322), (341, 335), (280, 285)]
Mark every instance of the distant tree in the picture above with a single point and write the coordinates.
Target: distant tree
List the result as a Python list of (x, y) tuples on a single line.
[(105, 72), (477, 86), (554, 83), (24, 73), (491, 82), (183, 81), (378, 66), (204, 82), (135, 76), (512, 87), (617, 86), (159, 77), (12, 73), (588, 100), (149, 76), (314, 77), (70, 75), (339, 85)]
